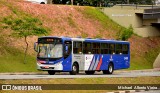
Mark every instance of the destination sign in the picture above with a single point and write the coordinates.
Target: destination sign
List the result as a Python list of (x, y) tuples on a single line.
[(49, 40)]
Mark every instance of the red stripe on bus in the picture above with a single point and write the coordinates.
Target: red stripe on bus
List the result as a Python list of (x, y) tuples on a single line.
[(99, 64)]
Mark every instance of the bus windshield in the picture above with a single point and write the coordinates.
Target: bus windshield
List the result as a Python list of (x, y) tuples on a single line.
[(50, 50)]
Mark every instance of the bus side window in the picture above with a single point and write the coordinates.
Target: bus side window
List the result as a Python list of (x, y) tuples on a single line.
[(77, 47), (111, 48), (104, 48), (96, 48), (125, 48), (118, 48), (86, 48)]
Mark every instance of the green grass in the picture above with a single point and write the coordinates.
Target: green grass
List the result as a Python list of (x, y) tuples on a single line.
[(14, 63), (97, 15), (138, 63), (152, 54), (107, 24), (11, 59), (144, 61)]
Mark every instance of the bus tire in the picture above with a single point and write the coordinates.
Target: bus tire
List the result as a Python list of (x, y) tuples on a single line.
[(51, 72), (42, 3), (75, 69), (110, 69), (89, 72)]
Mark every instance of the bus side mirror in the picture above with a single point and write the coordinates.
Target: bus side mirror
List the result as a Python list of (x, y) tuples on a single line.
[(36, 46)]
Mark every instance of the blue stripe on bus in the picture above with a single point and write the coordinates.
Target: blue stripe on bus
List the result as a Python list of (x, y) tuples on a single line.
[(96, 63), (91, 65)]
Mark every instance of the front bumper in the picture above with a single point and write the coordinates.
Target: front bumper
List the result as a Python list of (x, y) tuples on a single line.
[(56, 67)]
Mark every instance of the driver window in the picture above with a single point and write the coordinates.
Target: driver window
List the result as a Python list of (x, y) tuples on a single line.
[(67, 48)]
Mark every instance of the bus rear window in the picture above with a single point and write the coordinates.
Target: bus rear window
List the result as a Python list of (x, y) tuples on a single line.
[(125, 48), (118, 48)]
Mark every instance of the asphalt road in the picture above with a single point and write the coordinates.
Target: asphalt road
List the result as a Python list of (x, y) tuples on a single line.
[(82, 75)]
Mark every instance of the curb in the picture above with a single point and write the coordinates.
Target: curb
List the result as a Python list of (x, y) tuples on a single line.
[(45, 73), (25, 73), (145, 70)]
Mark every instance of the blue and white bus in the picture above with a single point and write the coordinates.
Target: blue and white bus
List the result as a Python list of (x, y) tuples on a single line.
[(65, 54)]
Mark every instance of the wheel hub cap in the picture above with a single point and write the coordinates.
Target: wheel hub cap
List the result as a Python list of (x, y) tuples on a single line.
[(110, 69)]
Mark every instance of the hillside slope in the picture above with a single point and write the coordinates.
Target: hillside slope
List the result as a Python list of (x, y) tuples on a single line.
[(63, 20)]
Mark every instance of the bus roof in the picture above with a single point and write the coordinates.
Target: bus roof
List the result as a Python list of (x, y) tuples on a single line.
[(85, 39)]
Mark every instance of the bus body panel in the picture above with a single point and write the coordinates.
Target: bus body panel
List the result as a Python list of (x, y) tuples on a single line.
[(67, 64), (105, 61), (120, 61), (79, 59), (87, 60)]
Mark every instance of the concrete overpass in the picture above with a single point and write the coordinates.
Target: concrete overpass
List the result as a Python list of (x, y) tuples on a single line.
[(145, 20), (153, 13)]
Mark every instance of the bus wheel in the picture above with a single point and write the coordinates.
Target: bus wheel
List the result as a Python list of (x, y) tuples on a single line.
[(51, 72), (74, 69), (89, 72), (110, 69), (42, 3)]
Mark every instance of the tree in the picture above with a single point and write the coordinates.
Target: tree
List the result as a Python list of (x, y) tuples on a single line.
[(24, 27)]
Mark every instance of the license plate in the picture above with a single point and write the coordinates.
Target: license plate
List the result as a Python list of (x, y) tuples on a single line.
[(46, 66)]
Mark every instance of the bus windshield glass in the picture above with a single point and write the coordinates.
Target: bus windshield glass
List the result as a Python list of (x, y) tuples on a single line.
[(50, 50)]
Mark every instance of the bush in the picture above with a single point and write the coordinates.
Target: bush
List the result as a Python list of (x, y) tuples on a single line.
[(126, 33)]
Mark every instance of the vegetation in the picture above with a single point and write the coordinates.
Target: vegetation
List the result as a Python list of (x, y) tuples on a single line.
[(12, 58), (84, 35), (71, 22), (13, 63), (23, 27), (152, 55), (95, 14), (144, 61), (125, 33), (107, 24)]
